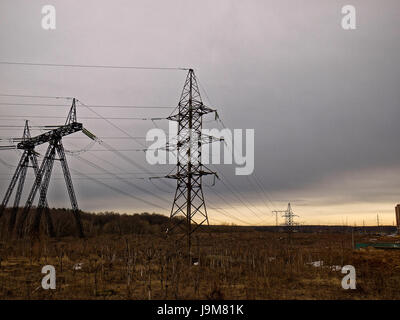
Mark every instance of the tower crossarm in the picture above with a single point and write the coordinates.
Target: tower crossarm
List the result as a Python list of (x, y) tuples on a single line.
[(60, 132), (193, 174), (200, 109)]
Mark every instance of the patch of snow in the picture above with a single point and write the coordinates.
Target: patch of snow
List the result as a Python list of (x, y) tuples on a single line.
[(336, 268), (316, 264), (320, 263), (78, 266)]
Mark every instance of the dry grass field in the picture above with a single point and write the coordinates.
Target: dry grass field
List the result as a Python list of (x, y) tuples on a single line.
[(231, 265)]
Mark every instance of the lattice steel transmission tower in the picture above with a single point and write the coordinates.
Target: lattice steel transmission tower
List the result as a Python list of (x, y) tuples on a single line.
[(288, 215), (276, 215), (189, 210), (289, 218), (28, 156), (43, 175)]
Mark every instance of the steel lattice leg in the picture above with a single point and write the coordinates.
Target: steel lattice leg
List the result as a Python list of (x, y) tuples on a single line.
[(43, 192), (49, 221), (70, 187), (14, 210), (12, 183), (38, 181)]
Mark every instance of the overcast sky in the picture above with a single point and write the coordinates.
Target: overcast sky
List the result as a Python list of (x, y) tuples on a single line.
[(324, 101)]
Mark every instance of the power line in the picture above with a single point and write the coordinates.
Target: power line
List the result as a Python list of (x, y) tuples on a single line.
[(124, 150), (111, 123), (33, 96), (115, 175), (119, 168), (90, 66), (233, 190), (105, 138), (61, 178), (135, 137), (127, 159), (262, 194), (224, 200), (229, 204), (86, 118), (258, 182), (226, 214), (92, 164), (6, 163), (237, 193), (116, 189), (92, 106), (94, 173), (19, 126), (216, 222)]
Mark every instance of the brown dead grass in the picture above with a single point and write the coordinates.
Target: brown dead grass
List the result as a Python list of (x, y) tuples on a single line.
[(239, 265)]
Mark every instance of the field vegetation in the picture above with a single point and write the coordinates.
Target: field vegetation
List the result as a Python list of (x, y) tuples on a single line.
[(129, 257)]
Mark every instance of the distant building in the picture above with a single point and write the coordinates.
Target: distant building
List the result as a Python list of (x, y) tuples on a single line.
[(398, 218)]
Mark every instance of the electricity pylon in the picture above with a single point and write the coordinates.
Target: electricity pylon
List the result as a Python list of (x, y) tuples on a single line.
[(288, 215), (28, 155), (276, 215), (54, 138), (189, 204)]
